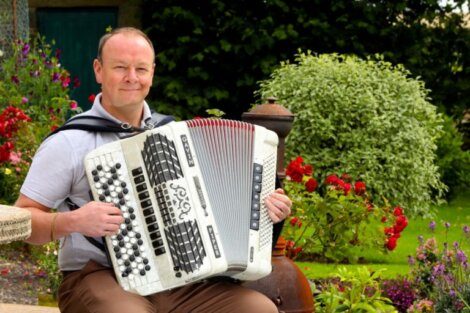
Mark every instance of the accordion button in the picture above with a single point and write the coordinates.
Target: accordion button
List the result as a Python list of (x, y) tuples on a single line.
[(116, 249), (125, 191), (118, 165), (102, 198), (178, 275), (99, 167), (123, 184), (132, 216), (142, 272), (147, 268), (140, 242), (94, 172), (113, 170), (131, 210), (96, 179), (137, 171), (136, 253), (145, 261), (110, 181), (105, 186), (118, 255)]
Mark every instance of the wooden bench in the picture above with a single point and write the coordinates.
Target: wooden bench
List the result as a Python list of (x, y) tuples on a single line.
[(15, 308)]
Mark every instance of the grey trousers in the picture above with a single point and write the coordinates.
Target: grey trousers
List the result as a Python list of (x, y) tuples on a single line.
[(94, 289)]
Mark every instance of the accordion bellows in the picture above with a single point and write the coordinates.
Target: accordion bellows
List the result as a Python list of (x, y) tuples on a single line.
[(192, 195)]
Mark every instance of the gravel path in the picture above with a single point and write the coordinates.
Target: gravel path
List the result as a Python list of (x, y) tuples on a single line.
[(20, 278)]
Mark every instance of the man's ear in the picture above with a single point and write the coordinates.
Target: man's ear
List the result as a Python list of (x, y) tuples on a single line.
[(97, 67)]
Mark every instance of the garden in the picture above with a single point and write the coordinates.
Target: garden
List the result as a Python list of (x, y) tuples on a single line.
[(377, 169)]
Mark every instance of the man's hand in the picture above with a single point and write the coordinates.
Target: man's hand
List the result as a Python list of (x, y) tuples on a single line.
[(278, 205), (96, 219)]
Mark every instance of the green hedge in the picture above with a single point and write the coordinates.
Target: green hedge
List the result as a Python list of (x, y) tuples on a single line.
[(365, 118)]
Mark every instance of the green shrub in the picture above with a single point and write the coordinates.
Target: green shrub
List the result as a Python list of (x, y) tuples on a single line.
[(363, 117), (32, 83), (34, 100), (453, 162)]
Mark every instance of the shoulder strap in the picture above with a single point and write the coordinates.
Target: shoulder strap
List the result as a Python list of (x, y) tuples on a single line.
[(100, 124)]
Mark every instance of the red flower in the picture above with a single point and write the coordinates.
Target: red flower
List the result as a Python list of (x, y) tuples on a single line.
[(289, 244), (308, 170), (391, 243), (293, 221), (346, 187), (400, 223), (311, 185), (91, 98), (383, 219), (295, 170), (398, 211), (332, 180), (54, 127), (360, 188)]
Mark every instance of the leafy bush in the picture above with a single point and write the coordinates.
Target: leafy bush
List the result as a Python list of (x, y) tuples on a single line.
[(357, 291), (364, 117), (34, 100), (334, 218), (453, 162)]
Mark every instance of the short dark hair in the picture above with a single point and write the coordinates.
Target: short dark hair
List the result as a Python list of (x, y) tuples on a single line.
[(121, 30)]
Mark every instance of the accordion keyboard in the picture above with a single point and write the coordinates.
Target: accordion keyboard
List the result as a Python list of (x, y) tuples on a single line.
[(112, 186)]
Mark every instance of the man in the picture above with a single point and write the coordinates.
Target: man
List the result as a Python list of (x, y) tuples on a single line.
[(124, 68)]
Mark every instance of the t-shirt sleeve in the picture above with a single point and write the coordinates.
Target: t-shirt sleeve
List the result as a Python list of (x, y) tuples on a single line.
[(51, 173)]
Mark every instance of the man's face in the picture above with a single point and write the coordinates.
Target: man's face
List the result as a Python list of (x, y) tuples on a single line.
[(125, 72)]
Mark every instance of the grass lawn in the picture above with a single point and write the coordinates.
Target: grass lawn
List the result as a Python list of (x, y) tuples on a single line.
[(457, 213)]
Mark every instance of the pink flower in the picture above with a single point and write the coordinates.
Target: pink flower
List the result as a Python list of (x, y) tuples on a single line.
[(24, 100), (15, 158), (73, 105)]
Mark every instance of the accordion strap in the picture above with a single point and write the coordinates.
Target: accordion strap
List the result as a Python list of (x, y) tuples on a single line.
[(72, 206), (101, 124)]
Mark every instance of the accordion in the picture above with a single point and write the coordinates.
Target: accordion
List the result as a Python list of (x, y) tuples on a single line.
[(192, 197)]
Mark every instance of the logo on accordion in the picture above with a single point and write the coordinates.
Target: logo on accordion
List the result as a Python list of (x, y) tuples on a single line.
[(187, 151)]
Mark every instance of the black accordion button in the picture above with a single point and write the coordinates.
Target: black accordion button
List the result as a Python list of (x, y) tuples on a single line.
[(145, 261), (118, 165), (118, 255), (132, 216), (137, 171), (178, 274), (142, 272), (136, 253), (99, 167), (113, 170), (139, 179), (147, 268), (94, 172), (127, 221), (140, 242), (125, 191), (115, 176), (119, 237), (159, 251), (105, 186), (127, 263), (116, 249), (107, 193), (124, 275), (131, 257), (124, 232), (123, 184), (141, 187), (102, 198), (96, 179), (138, 235), (110, 181)]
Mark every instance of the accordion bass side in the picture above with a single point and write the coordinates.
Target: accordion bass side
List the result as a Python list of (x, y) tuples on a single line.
[(192, 197)]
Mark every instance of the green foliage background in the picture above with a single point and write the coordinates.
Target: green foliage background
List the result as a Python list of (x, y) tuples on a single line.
[(212, 53), (365, 118)]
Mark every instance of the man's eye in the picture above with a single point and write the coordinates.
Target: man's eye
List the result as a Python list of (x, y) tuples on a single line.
[(142, 69)]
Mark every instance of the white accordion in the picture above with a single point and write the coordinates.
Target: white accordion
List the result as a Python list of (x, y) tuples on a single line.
[(192, 196)]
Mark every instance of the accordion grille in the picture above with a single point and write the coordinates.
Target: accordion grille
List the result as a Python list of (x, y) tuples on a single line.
[(268, 185)]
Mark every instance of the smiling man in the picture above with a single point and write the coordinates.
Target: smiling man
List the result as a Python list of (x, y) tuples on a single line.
[(124, 68)]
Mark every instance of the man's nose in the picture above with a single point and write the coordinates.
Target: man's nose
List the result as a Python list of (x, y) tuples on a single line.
[(131, 74)]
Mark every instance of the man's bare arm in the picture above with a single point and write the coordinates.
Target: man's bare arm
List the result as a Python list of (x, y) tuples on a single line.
[(95, 219)]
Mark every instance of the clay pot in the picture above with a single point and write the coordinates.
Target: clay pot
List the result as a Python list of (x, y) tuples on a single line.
[(286, 286)]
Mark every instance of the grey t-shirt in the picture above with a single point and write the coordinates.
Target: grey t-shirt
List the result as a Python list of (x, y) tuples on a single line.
[(57, 172)]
